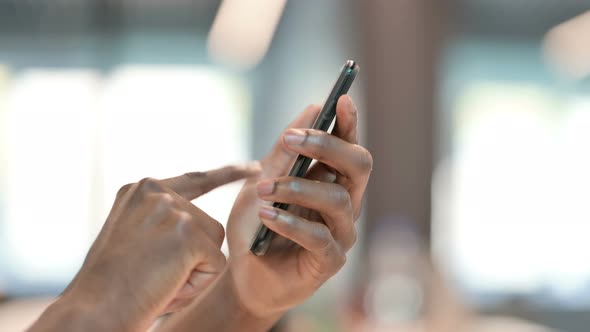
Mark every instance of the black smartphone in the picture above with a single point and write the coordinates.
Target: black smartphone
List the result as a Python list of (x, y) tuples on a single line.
[(261, 241)]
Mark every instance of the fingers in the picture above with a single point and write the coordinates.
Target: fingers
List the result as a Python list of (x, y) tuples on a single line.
[(195, 231), (177, 305), (200, 280), (203, 236), (192, 238), (331, 200), (279, 160), (321, 172), (346, 128), (211, 264), (164, 201), (196, 283), (208, 224), (312, 236), (167, 241), (194, 184), (351, 161)]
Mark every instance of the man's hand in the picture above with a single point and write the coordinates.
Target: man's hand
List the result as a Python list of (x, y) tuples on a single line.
[(154, 254), (315, 234), (316, 231)]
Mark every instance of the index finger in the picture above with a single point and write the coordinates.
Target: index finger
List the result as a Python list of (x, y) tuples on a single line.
[(279, 160), (194, 184)]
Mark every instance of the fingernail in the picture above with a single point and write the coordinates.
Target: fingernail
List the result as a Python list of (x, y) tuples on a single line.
[(295, 137), (268, 212), (265, 187)]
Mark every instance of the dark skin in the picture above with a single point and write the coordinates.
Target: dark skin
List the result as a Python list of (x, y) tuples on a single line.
[(316, 232), (155, 251), (160, 251)]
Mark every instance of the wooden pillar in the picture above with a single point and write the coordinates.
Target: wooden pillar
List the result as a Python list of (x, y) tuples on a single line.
[(400, 44)]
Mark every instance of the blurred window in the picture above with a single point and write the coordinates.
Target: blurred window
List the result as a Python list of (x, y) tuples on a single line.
[(511, 202), (72, 137)]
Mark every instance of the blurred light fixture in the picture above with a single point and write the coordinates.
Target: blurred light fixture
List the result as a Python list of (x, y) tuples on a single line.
[(566, 47), (242, 31)]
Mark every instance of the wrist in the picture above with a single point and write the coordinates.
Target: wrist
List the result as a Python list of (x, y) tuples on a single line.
[(112, 300), (110, 309), (245, 307), (67, 314), (219, 309)]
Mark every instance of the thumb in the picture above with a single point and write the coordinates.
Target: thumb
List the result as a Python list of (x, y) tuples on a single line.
[(194, 184)]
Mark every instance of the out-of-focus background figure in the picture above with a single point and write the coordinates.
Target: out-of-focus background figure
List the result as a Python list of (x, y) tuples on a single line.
[(477, 114)]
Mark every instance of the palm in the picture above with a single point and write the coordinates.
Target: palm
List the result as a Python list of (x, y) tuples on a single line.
[(288, 273), (282, 275)]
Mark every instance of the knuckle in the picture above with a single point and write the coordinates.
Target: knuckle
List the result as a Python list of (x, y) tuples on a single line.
[(212, 256), (184, 222), (124, 189), (218, 231), (218, 257), (350, 239), (154, 201), (182, 217), (324, 237), (342, 198), (294, 185), (365, 159), (149, 185), (289, 221), (160, 201), (164, 198), (190, 228), (337, 260), (319, 142)]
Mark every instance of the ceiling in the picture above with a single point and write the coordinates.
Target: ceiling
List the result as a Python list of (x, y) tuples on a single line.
[(518, 18)]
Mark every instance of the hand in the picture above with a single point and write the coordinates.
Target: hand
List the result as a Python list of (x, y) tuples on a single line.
[(318, 228), (155, 252), (317, 231)]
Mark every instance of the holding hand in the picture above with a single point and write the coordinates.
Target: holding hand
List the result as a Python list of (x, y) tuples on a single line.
[(318, 228), (316, 231)]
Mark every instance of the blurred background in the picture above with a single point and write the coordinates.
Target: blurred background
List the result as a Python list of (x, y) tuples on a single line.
[(477, 113)]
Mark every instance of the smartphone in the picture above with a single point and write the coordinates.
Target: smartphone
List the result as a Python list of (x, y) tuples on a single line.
[(264, 236)]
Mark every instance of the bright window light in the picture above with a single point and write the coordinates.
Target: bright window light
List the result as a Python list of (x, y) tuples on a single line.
[(48, 130), (166, 121), (516, 212), (72, 138)]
